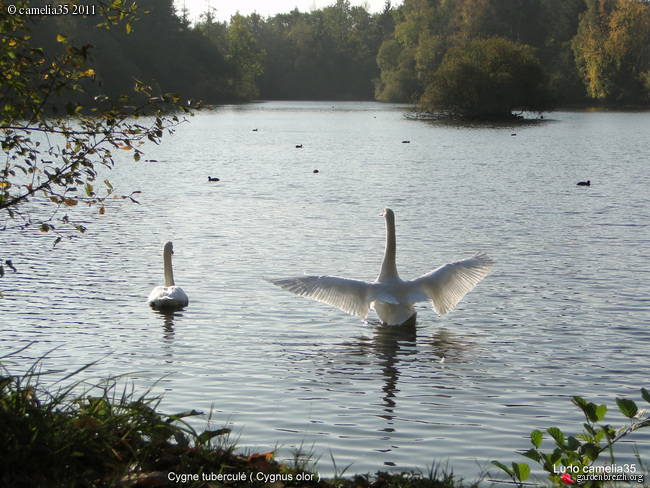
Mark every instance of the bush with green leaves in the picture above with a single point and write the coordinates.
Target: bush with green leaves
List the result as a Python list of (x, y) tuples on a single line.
[(85, 434), (573, 457), (487, 79)]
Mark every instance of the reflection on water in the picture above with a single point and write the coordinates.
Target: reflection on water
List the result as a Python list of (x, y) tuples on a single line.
[(450, 345), (168, 317), (400, 348), (564, 312), (391, 345)]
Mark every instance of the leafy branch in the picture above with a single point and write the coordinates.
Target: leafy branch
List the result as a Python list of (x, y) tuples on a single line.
[(55, 146), (577, 454)]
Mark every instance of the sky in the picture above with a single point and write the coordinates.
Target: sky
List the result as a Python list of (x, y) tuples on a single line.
[(267, 8)]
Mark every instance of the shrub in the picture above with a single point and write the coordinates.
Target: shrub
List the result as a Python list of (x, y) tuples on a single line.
[(487, 79), (573, 457)]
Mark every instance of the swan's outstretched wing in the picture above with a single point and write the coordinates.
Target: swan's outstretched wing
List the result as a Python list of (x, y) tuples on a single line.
[(448, 284), (351, 296)]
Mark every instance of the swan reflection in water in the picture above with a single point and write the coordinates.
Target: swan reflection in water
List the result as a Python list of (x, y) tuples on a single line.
[(168, 317), (399, 348), (393, 345), (408, 358)]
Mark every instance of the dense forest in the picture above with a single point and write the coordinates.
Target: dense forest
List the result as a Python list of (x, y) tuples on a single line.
[(573, 51)]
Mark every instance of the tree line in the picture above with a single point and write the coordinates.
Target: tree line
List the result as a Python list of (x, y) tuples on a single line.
[(589, 50), (545, 51)]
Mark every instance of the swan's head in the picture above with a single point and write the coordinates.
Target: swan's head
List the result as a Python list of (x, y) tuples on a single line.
[(388, 214), (168, 248)]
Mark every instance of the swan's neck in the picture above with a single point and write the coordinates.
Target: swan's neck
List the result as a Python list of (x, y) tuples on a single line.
[(169, 272), (388, 266)]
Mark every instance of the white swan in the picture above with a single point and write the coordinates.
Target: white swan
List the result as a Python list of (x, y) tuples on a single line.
[(391, 297), (170, 296)]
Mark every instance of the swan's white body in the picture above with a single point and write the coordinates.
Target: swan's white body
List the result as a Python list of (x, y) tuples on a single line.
[(169, 296), (391, 297)]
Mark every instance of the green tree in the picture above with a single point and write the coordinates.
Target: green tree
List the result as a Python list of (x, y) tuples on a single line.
[(246, 56), (425, 30), (325, 54), (401, 58), (591, 55), (398, 81), (487, 79), (629, 48), (612, 50), (559, 20), (471, 19), (56, 148)]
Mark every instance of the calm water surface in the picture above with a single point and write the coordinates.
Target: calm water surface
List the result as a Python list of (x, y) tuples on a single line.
[(565, 311)]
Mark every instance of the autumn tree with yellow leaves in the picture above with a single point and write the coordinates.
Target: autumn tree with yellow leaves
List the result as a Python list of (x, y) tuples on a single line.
[(612, 50)]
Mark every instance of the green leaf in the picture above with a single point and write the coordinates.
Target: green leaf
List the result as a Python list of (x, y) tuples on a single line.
[(645, 395), (588, 408), (627, 407), (182, 415), (532, 454), (557, 435), (608, 431), (210, 434), (536, 437), (573, 444), (181, 439), (590, 451), (547, 462), (521, 470), (589, 429), (504, 468), (601, 410), (555, 456)]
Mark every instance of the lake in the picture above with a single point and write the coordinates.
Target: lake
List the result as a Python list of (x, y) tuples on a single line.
[(564, 312)]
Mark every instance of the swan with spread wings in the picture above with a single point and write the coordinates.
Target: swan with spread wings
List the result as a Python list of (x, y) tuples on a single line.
[(391, 297)]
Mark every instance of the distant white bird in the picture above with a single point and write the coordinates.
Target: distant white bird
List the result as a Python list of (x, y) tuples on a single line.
[(170, 296), (391, 297)]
